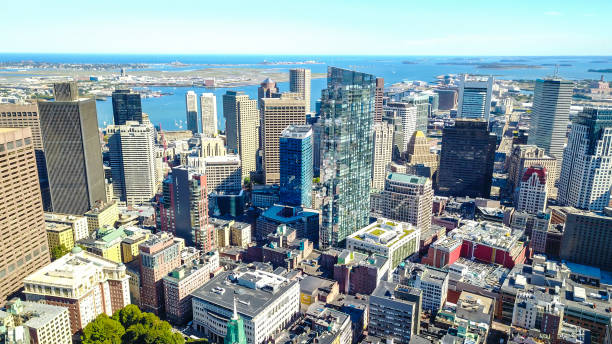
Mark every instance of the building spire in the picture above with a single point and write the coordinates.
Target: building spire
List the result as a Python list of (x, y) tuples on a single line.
[(235, 316)]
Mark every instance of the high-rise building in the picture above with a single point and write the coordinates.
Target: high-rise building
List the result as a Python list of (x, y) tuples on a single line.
[(587, 239), (378, 101), (383, 146), (223, 173), (184, 208), (550, 116), (242, 129), (586, 172), (346, 153), (447, 98), (191, 106), (525, 156), (421, 102), (132, 158), (466, 159), (299, 82), (395, 312), (277, 114), (475, 97), (406, 198), (126, 107), (208, 107), (532, 191), (267, 89), (84, 283), (419, 156), (69, 127), (407, 114), (295, 146), (23, 248), (26, 115)]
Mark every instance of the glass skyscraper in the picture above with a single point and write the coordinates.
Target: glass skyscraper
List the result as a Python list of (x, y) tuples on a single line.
[(347, 107), (126, 107), (296, 165)]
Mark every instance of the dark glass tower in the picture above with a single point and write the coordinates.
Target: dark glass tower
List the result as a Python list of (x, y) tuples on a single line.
[(296, 166), (126, 107), (347, 112), (466, 160)]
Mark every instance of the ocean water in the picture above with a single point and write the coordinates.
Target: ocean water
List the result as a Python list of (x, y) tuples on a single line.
[(169, 110)]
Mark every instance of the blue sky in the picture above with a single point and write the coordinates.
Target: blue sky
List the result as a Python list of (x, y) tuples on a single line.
[(373, 27)]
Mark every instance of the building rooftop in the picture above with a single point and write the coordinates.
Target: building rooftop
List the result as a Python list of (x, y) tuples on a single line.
[(487, 276), (489, 233), (348, 257), (383, 232), (407, 178), (284, 214), (58, 217), (57, 227), (388, 290), (297, 132), (33, 314), (99, 208)]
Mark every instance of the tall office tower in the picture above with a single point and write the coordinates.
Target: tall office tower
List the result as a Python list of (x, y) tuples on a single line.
[(346, 153), (466, 159), (392, 118), (406, 198), (475, 97), (212, 146), (434, 103), (296, 165), (549, 118), (184, 208), (586, 173), (378, 101), (126, 107), (395, 312), (299, 82), (316, 148), (69, 127), (23, 248), (383, 146), (191, 105), (419, 156), (159, 255), (587, 239), (223, 173), (407, 113), (208, 107), (242, 128), (26, 115), (267, 89), (524, 156), (277, 115), (532, 192), (132, 159), (421, 102), (447, 98)]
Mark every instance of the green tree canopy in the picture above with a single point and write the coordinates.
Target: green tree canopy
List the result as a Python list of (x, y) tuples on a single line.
[(103, 330), (58, 251)]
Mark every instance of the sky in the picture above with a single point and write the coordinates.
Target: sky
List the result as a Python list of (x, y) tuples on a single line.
[(309, 27)]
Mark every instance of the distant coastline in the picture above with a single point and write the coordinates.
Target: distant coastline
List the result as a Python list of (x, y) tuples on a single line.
[(606, 70)]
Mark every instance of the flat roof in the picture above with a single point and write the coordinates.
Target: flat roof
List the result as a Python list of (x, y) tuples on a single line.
[(407, 178)]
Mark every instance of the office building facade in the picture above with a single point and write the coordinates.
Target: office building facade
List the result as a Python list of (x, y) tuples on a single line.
[(299, 82), (296, 165), (127, 106), (383, 146), (208, 107), (587, 239), (378, 101), (223, 173), (525, 156), (242, 129), (191, 108), (475, 98), (395, 312), (532, 191), (407, 115)]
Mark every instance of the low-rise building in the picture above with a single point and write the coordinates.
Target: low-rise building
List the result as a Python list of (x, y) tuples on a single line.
[(129, 245), (433, 282), (105, 242), (77, 223), (240, 234), (304, 221), (35, 323), (101, 215), (395, 312), (59, 235), (315, 289), (359, 273)]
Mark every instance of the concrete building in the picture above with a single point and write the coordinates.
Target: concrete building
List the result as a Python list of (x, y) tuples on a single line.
[(421, 102), (431, 281), (447, 98), (102, 215), (105, 242), (267, 89), (475, 308), (407, 114), (69, 127), (315, 289), (266, 302), (296, 166), (383, 147), (132, 158), (223, 173), (395, 240), (182, 281), (86, 284), (78, 224), (475, 97), (587, 238), (58, 235), (378, 100), (212, 146), (359, 273), (299, 82), (525, 156), (538, 310), (191, 107), (23, 248), (395, 312), (36, 323), (127, 106), (419, 156), (326, 325), (208, 109), (304, 221), (585, 179), (159, 255), (131, 242), (532, 191), (242, 129)]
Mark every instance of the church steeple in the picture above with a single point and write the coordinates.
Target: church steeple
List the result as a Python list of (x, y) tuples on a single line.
[(235, 316), (235, 329)]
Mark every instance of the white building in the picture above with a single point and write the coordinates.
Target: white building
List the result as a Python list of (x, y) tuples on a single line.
[(474, 97), (383, 146), (266, 302), (532, 190), (408, 116), (37, 323), (77, 223), (208, 109), (433, 283), (133, 161), (223, 173), (530, 310)]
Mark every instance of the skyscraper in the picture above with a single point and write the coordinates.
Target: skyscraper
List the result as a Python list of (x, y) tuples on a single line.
[(586, 172), (466, 159), (347, 107), (549, 118), (23, 248), (419, 156), (299, 82), (277, 115), (132, 157), (191, 104), (475, 97), (26, 115), (208, 106), (267, 89), (383, 146), (295, 145), (587, 239), (242, 128), (407, 114), (524, 156), (421, 102), (532, 191), (69, 127), (126, 107), (378, 102)]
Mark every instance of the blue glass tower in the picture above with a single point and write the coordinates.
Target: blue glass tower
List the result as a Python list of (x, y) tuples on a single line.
[(296, 165)]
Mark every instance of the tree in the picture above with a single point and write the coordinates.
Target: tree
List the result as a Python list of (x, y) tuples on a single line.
[(128, 316), (103, 330), (316, 180), (58, 251)]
